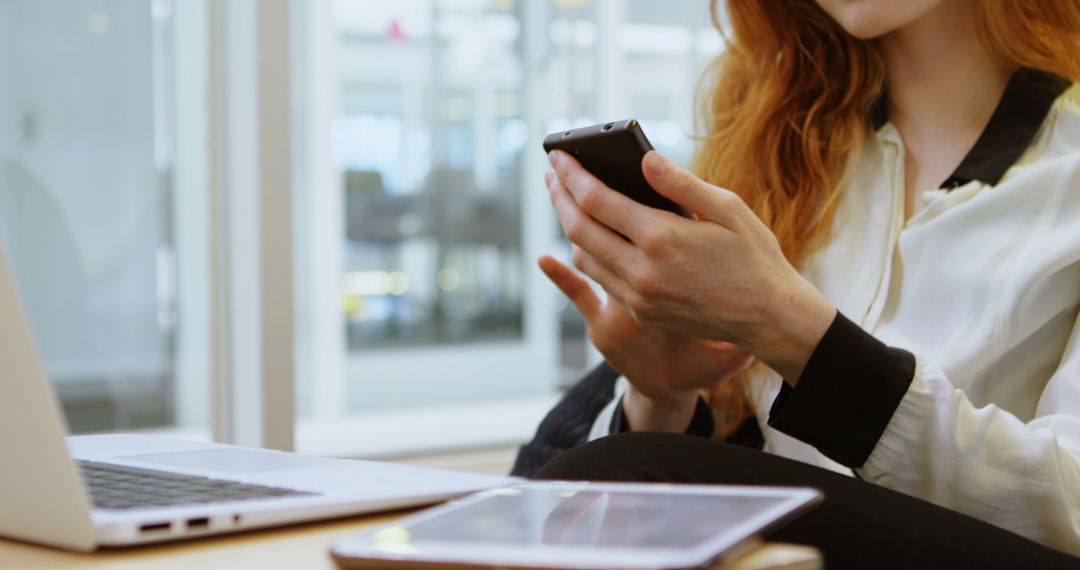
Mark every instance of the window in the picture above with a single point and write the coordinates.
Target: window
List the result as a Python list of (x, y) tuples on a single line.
[(429, 134), (91, 210), (145, 205)]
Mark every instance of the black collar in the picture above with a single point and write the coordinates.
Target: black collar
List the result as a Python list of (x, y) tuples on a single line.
[(1017, 119)]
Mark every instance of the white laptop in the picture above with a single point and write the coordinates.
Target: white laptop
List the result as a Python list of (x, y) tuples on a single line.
[(141, 489)]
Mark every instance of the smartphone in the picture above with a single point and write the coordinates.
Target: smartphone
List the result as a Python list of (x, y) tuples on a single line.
[(612, 152)]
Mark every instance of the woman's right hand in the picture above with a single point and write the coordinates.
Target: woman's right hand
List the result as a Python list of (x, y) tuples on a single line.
[(666, 370)]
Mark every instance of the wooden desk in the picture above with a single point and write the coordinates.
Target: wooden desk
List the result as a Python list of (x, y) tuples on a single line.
[(303, 546)]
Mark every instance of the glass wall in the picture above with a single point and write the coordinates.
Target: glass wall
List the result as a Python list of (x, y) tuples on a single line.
[(429, 136), (87, 205), (429, 132)]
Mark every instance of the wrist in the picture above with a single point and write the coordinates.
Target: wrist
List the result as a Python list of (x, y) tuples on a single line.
[(670, 413), (795, 324)]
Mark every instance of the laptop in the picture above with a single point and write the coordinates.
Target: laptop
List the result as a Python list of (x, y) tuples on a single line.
[(87, 492)]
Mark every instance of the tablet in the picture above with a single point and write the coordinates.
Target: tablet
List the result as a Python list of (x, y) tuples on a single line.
[(579, 526)]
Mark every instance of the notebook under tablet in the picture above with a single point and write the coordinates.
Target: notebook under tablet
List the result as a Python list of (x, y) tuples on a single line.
[(91, 491), (580, 526)]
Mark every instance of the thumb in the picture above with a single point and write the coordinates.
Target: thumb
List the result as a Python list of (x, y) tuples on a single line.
[(679, 185)]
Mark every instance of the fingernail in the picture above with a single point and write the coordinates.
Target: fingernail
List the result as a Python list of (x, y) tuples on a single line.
[(655, 163), (547, 178), (553, 157)]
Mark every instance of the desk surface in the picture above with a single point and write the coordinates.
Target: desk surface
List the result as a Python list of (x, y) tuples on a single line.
[(302, 546)]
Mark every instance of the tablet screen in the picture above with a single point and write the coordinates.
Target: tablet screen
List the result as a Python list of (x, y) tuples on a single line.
[(580, 525)]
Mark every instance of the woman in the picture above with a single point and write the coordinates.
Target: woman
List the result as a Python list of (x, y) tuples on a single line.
[(879, 282)]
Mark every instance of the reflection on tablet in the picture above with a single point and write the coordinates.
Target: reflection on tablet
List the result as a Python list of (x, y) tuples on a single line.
[(590, 518)]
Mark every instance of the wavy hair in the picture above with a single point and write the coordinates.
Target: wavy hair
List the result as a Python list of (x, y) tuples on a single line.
[(789, 102)]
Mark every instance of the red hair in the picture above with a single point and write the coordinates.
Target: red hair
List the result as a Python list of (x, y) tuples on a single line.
[(789, 101)]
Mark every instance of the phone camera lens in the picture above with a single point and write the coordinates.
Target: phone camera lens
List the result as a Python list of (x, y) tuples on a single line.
[(609, 126), (566, 134)]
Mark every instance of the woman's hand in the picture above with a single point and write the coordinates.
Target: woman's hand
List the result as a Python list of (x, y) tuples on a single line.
[(666, 370), (719, 276)]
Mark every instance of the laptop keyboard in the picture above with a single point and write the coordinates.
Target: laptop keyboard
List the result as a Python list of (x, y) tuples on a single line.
[(122, 487)]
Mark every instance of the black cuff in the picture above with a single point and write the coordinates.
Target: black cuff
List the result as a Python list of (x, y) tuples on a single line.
[(847, 394), (701, 424)]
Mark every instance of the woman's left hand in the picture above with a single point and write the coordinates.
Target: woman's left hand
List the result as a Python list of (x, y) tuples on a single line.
[(720, 275)]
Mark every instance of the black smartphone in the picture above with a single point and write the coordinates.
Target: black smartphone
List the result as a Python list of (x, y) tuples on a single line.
[(612, 152)]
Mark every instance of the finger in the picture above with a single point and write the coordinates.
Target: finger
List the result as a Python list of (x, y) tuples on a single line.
[(591, 235), (613, 209), (679, 185), (611, 283), (575, 288)]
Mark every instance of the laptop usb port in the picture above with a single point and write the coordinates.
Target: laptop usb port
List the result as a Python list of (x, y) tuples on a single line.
[(200, 523), (154, 527)]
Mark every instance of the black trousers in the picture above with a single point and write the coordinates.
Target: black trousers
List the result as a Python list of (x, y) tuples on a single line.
[(860, 524)]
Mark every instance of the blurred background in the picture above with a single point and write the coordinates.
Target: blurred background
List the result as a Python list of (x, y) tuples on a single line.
[(130, 192)]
